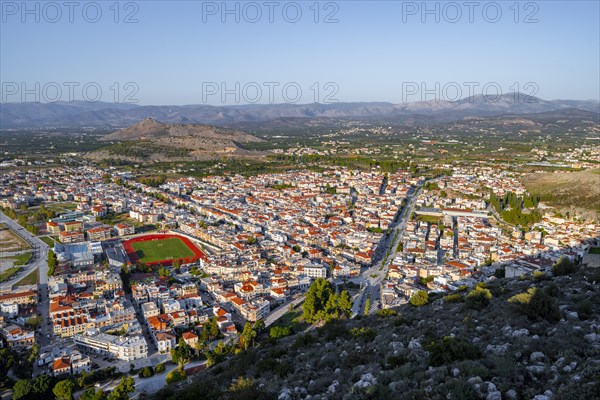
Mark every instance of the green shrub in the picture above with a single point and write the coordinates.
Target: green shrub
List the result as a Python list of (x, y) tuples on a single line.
[(367, 334), (453, 298), (537, 304), (593, 277), (277, 332), (564, 266), (577, 391), (584, 308), (461, 390), (178, 374), (333, 330), (303, 341), (160, 368), (277, 367), (146, 372), (450, 349), (386, 312), (540, 276), (478, 298), (500, 273), (419, 299), (551, 289), (392, 362), (474, 368)]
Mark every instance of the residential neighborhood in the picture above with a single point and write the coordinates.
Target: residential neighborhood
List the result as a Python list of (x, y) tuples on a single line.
[(262, 240)]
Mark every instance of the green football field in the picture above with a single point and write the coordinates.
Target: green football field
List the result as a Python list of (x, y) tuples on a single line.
[(158, 250)]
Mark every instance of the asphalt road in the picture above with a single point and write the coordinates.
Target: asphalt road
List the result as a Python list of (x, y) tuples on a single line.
[(39, 262), (370, 279), (39, 255), (281, 311)]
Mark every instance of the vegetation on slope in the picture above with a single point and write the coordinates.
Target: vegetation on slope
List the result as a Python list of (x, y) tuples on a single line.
[(510, 339)]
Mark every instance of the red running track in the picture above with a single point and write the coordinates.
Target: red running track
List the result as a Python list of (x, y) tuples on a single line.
[(133, 258)]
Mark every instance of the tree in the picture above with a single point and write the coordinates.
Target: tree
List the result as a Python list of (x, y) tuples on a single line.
[(63, 390), (22, 389), (419, 299), (52, 263), (210, 330), (176, 264), (178, 374), (247, 336), (344, 304), (564, 266), (278, 332), (367, 305), (316, 299), (146, 372), (182, 353), (93, 394), (217, 355), (322, 304), (122, 390), (259, 325), (33, 322), (42, 385)]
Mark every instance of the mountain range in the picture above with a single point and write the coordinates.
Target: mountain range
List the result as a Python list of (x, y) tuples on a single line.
[(116, 115)]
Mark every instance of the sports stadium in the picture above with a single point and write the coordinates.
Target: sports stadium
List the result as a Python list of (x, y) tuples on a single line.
[(161, 249)]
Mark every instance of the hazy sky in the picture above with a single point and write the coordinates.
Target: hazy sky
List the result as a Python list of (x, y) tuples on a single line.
[(190, 52)]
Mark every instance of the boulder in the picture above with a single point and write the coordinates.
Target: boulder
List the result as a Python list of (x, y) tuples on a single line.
[(520, 333), (285, 394), (537, 357), (365, 381), (511, 394), (497, 349), (414, 344)]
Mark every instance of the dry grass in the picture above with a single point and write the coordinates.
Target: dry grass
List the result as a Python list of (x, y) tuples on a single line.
[(11, 242), (580, 190)]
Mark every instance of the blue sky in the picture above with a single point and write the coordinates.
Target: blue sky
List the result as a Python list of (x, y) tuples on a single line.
[(181, 52)]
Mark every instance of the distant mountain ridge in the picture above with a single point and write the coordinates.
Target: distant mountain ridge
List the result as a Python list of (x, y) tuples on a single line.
[(115, 115)]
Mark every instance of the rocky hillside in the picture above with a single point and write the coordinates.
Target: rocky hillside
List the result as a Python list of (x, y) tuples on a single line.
[(152, 140), (542, 344)]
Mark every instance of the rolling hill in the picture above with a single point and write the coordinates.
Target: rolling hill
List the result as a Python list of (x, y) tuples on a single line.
[(155, 141)]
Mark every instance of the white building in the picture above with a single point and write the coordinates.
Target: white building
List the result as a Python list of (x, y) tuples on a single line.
[(9, 310), (149, 309), (315, 271), (164, 341), (127, 348), (170, 305)]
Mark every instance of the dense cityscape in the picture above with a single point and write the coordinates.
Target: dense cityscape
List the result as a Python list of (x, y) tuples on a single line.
[(326, 200)]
